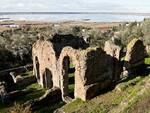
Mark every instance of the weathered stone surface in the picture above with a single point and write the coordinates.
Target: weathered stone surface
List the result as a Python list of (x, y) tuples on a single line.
[(50, 96), (91, 66), (16, 78), (3, 91), (20, 69), (135, 48), (115, 51), (68, 53), (5, 74), (45, 64), (63, 40), (22, 80), (148, 49), (11, 96), (134, 56), (112, 49), (95, 69), (45, 57)]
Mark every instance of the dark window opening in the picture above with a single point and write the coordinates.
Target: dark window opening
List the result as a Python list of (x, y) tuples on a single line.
[(47, 79), (37, 68), (70, 76)]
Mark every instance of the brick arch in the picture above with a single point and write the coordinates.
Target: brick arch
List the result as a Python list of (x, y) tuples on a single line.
[(46, 55), (73, 54)]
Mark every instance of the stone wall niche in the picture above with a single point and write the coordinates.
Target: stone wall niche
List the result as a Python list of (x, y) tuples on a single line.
[(36, 69), (47, 79)]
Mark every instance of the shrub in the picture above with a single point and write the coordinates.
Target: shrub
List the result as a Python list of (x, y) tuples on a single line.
[(18, 108)]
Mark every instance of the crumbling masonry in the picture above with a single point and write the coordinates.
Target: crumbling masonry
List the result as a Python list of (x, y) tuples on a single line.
[(95, 69)]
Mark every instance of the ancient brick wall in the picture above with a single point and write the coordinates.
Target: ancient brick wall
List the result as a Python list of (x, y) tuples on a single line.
[(95, 69)]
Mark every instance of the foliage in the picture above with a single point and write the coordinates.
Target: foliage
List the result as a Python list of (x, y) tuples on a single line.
[(18, 108), (128, 31), (16, 44)]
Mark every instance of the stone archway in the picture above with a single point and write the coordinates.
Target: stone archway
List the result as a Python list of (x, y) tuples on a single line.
[(68, 78), (68, 65)]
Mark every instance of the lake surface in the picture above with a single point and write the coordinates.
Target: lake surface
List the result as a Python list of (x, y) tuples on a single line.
[(78, 17)]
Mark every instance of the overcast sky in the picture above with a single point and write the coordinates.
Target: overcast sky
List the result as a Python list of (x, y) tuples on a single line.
[(75, 5)]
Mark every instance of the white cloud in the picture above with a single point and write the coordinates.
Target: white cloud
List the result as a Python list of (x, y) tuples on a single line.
[(75, 5), (20, 5)]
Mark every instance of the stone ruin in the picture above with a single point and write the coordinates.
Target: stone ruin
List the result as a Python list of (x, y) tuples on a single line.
[(12, 78), (134, 58), (94, 69)]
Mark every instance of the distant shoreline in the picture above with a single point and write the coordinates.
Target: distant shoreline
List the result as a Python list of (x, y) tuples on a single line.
[(114, 13), (7, 25)]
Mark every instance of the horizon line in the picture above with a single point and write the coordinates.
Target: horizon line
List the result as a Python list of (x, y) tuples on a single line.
[(73, 12)]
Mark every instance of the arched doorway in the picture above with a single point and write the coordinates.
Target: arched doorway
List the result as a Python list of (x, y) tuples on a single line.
[(68, 78), (37, 69), (47, 79)]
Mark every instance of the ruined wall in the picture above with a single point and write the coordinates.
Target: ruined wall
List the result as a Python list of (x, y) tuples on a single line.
[(148, 49), (74, 55), (44, 55), (115, 52), (60, 41), (95, 69), (134, 58)]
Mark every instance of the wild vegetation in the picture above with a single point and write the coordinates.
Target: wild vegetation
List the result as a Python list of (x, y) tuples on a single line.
[(16, 44), (34, 91), (127, 97), (15, 50)]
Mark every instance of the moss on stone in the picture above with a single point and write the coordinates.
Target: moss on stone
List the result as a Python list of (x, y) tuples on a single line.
[(114, 101)]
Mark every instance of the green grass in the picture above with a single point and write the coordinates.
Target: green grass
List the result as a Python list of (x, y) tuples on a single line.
[(71, 88), (71, 74), (35, 92), (71, 65), (72, 106), (147, 61), (139, 101), (102, 104), (128, 93), (28, 73)]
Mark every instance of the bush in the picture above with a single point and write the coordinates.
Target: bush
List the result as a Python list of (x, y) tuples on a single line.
[(18, 108)]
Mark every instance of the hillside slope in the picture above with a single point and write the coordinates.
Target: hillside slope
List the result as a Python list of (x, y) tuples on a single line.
[(132, 96)]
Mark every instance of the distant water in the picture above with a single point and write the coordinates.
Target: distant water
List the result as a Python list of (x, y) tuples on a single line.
[(67, 17)]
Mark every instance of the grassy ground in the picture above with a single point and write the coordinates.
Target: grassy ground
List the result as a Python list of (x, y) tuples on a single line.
[(123, 99), (147, 61), (131, 96), (35, 92)]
